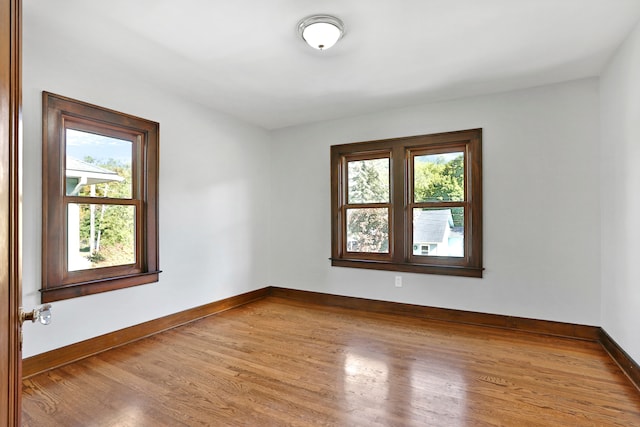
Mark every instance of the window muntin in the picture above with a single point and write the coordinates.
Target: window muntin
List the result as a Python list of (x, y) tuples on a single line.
[(432, 211), (368, 180), (100, 186)]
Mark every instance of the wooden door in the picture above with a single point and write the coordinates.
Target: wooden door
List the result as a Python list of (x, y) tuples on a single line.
[(10, 268)]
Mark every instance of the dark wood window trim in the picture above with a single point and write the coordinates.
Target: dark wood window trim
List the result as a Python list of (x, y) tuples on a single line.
[(62, 113), (401, 152)]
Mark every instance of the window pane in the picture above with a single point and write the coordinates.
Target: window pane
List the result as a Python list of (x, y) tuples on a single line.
[(100, 236), (368, 181), (368, 230), (438, 232), (438, 177), (97, 165)]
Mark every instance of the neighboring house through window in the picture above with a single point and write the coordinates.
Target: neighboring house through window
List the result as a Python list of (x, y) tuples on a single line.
[(409, 204), (434, 233)]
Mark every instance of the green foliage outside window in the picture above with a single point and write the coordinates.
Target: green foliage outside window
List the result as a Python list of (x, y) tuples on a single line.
[(114, 225), (440, 181)]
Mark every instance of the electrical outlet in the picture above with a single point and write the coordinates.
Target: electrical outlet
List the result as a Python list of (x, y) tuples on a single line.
[(398, 281)]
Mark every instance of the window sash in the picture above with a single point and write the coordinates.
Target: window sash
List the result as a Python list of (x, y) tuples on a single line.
[(85, 125), (70, 277), (346, 206), (135, 137), (368, 255), (412, 153)]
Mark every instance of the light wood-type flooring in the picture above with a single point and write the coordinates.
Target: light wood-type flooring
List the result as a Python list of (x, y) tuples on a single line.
[(277, 362)]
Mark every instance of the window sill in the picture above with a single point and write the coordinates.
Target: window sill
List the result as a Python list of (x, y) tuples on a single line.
[(447, 270), (97, 286)]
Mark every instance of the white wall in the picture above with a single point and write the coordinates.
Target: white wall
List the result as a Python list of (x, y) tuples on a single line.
[(214, 194), (620, 171), (541, 205)]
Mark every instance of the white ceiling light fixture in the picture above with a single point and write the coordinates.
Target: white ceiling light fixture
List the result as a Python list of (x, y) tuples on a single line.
[(321, 31)]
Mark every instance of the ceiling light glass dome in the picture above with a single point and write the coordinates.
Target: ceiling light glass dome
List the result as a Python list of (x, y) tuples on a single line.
[(321, 31)]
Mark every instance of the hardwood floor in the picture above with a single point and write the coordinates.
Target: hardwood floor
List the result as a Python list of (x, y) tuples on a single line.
[(278, 362)]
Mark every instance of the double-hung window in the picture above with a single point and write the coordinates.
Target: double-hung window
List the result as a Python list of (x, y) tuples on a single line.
[(409, 204), (100, 199)]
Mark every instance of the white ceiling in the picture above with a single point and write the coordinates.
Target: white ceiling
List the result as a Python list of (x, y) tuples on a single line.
[(243, 57)]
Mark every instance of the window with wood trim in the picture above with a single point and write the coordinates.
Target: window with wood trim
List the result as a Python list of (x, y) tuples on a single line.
[(99, 199), (409, 204)]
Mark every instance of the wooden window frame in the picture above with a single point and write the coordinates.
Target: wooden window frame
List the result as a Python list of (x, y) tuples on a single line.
[(401, 153), (62, 113)]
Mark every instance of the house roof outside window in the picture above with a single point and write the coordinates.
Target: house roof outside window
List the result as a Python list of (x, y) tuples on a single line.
[(431, 226), (79, 173)]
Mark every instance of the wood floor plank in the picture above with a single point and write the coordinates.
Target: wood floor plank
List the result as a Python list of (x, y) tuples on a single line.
[(279, 362)]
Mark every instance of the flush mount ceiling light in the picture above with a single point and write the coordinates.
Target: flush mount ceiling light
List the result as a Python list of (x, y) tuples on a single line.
[(321, 31)]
